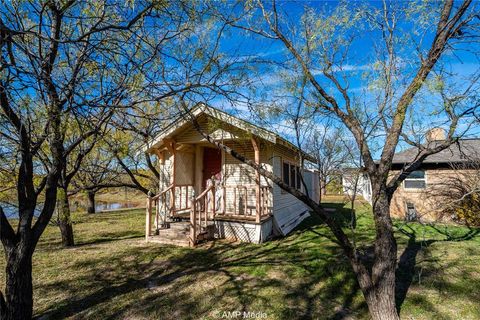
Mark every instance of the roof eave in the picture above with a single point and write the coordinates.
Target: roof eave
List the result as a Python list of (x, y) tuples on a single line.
[(234, 121)]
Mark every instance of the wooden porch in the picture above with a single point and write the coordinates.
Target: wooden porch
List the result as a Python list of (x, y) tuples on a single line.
[(206, 198), (178, 204)]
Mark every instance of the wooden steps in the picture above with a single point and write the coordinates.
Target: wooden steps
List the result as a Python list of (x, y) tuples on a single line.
[(177, 234)]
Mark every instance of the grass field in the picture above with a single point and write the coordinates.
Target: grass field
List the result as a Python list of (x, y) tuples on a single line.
[(114, 274)]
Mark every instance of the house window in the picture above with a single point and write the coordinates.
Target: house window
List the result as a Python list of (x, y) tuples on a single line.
[(291, 175), (415, 180), (286, 173), (299, 179)]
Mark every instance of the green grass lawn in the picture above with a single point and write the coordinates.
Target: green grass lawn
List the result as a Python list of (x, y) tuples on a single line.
[(114, 274)]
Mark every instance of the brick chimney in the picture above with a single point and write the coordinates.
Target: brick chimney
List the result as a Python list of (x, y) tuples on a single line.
[(435, 134)]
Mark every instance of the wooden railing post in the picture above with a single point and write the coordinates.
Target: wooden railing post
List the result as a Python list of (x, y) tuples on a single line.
[(148, 218), (213, 200), (193, 229), (157, 215)]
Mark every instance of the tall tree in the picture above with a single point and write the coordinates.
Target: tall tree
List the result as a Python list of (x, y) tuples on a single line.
[(178, 59), (411, 42), (332, 151), (55, 60), (81, 136)]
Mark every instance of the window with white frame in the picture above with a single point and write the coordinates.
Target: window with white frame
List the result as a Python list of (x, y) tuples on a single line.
[(415, 180)]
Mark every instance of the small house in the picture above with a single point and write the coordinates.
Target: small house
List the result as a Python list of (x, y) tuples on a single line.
[(418, 195), (206, 193)]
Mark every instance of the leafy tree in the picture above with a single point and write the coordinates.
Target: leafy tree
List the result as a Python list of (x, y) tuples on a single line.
[(332, 151), (99, 170), (179, 61), (411, 46), (57, 64)]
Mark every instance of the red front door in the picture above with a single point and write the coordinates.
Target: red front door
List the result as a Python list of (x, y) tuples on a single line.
[(212, 164)]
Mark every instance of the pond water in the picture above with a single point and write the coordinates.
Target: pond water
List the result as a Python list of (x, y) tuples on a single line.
[(11, 211), (104, 205), (100, 205)]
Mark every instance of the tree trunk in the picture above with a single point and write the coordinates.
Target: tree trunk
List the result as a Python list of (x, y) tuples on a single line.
[(380, 294), (64, 218), (18, 303), (323, 186), (91, 202), (322, 183), (320, 198)]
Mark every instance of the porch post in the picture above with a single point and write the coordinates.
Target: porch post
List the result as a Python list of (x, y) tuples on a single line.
[(148, 218), (198, 168), (193, 217), (171, 146), (160, 201), (161, 161), (257, 178)]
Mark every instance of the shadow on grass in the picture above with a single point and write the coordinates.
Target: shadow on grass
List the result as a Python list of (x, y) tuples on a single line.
[(407, 267), (302, 276), (105, 237)]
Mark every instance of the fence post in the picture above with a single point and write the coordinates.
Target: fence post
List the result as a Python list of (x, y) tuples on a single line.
[(193, 217)]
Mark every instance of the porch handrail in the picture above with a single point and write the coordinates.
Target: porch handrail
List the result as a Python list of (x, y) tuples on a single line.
[(158, 201), (170, 187), (204, 193), (199, 214)]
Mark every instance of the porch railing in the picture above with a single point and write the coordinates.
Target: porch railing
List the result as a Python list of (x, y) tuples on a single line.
[(160, 203), (240, 201), (202, 208), (168, 202)]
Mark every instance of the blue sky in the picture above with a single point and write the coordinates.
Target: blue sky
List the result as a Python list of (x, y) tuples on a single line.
[(358, 66)]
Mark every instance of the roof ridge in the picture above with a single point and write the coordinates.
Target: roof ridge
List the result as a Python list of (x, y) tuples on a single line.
[(458, 151)]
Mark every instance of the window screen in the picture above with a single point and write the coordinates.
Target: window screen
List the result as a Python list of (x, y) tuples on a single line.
[(411, 212), (415, 184), (291, 175)]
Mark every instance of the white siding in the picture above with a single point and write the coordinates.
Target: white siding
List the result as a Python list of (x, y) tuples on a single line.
[(288, 211), (165, 171), (237, 174), (311, 180), (352, 180), (191, 135)]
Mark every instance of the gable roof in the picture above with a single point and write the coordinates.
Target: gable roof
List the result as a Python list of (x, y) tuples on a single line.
[(465, 150), (182, 122)]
